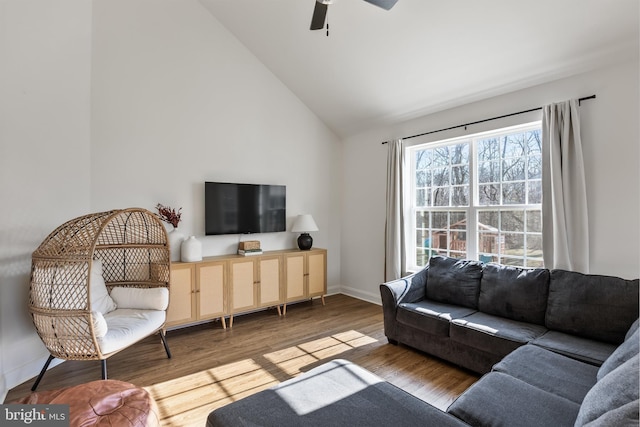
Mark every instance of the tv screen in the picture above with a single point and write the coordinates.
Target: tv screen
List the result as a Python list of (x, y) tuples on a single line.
[(244, 208)]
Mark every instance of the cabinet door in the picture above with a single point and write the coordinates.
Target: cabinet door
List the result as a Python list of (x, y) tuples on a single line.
[(270, 284), (294, 277), (316, 273), (182, 304), (243, 285), (210, 291)]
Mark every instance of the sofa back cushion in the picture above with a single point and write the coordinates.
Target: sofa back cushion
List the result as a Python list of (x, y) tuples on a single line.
[(454, 281), (515, 293), (592, 306)]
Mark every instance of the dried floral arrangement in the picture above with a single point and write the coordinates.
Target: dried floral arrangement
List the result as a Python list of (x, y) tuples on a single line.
[(167, 214)]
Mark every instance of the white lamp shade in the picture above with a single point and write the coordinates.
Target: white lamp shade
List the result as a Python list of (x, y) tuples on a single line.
[(304, 224)]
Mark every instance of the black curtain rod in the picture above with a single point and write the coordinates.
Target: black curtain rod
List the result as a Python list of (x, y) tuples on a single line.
[(486, 120)]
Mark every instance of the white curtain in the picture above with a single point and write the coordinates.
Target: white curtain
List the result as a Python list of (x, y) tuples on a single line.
[(565, 225), (394, 226)]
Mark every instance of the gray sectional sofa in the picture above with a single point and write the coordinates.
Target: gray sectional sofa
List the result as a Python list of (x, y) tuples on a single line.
[(556, 347)]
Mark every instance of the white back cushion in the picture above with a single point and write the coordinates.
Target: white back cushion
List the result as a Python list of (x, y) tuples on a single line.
[(141, 298)]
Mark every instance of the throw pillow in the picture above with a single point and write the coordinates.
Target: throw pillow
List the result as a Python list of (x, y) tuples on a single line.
[(100, 327), (611, 394), (625, 351), (141, 298), (98, 293)]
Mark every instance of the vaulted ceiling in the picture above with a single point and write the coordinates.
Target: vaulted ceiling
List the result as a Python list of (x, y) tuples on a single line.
[(379, 67)]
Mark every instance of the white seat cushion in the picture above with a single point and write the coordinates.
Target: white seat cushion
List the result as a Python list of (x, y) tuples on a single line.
[(128, 326)]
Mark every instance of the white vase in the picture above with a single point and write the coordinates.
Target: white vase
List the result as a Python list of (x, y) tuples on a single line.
[(175, 243), (191, 250)]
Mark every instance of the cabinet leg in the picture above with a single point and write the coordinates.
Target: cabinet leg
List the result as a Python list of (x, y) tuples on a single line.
[(279, 312), (231, 321), (322, 297), (284, 309), (224, 323)]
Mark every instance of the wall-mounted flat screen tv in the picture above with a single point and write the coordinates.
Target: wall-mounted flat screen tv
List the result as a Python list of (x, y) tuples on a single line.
[(232, 208)]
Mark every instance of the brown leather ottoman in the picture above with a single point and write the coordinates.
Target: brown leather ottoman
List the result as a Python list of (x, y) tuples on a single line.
[(102, 403)]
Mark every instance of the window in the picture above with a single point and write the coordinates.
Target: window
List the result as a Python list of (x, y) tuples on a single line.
[(478, 197)]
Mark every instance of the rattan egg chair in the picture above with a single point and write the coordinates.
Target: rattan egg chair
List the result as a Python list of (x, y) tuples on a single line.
[(132, 249)]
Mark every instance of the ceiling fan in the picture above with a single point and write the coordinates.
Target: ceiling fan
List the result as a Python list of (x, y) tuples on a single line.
[(320, 10)]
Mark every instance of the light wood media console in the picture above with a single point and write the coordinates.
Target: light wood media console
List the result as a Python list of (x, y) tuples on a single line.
[(222, 286)]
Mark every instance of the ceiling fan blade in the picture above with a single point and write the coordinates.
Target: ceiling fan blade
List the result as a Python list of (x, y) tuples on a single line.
[(385, 4), (319, 15)]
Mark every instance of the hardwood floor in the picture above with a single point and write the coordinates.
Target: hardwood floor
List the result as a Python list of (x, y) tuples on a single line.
[(212, 367)]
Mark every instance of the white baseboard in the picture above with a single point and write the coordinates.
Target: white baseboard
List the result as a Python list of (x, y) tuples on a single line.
[(372, 297)]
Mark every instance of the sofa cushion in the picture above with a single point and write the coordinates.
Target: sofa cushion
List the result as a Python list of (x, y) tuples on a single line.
[(515, 293), (625, 351), (502, 400), (337, 393), (592, 306), (430, 316), (493, 334), (586, 350), (549, 371), (128, 326), (454, 281), (614, 397)]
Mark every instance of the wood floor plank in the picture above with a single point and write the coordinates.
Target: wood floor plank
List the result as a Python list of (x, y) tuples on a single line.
[(212, 367)]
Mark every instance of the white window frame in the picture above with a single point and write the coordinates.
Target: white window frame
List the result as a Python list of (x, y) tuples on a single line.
[(472, 211)]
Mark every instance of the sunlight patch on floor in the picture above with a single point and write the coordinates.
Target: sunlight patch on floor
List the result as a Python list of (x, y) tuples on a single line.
[(187, 400)]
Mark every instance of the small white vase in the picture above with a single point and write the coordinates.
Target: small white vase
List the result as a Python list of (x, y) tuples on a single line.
[(175, 243), (191, 250)]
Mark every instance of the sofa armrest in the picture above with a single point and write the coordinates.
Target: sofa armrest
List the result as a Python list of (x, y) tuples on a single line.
[(407, 289)]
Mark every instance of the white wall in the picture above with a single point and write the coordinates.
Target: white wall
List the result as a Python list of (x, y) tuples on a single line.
[(611, 149), (45, 57), (177, 101)]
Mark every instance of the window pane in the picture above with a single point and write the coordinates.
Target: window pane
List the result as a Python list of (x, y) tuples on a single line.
[(423, 178), (534, 170), (423, 159), (489, 172), (489, 219), (422, 219), (440, 157), (513, 169), (534, 221), (423, 197), (441, 220), (441, 196), (513, 145), (535, 191), (489, 194), (514, 244), (460, 154), (534, 142), (512, 221), (534, 246), (514, 193), (441, 176), (488, 149), (460, 196), (460, 175)]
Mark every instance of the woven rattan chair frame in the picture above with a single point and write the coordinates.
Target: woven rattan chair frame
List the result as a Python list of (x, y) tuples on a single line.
[(133, 247)]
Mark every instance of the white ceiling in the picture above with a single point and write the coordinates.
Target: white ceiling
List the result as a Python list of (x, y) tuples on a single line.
[(380, 67)]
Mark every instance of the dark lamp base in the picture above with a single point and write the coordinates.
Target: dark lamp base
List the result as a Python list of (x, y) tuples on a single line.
[(305, 242)]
